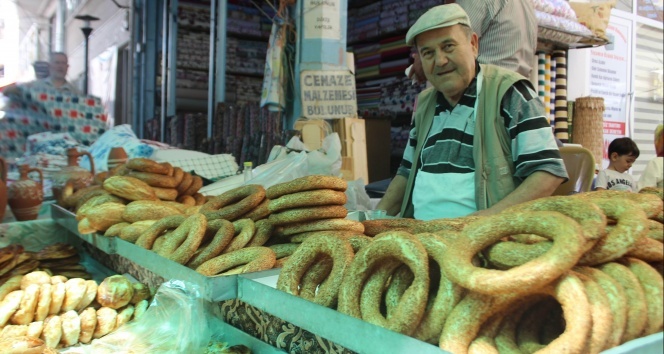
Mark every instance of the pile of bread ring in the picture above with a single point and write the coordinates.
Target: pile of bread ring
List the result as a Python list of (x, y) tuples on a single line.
[(56, 259), (573, 274), (39, 311), (225, 235), (102, 205)]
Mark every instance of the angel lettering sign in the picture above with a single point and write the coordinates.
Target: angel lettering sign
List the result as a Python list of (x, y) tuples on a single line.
[(328, 94)]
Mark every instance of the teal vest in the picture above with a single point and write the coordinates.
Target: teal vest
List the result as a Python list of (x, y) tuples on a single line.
[(492, 152)]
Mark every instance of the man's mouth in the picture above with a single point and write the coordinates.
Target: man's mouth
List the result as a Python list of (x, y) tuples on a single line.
[(441, 73)]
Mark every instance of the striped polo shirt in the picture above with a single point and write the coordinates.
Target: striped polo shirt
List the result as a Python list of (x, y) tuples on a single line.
[(445, 185)]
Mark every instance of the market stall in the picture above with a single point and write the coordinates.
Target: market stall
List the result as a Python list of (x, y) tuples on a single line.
[(268, 303)]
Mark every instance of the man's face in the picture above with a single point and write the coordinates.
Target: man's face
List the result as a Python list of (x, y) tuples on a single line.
[(448, 59), (59, 67)]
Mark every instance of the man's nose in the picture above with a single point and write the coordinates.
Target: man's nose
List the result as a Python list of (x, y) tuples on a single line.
[(441, 57)]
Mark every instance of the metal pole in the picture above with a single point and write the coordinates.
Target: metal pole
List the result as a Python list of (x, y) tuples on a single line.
[(86, 33)]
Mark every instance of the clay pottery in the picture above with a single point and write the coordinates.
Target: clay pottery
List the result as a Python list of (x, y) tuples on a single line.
[(3, 188), (72, 176), (25, 195), (116, 156)]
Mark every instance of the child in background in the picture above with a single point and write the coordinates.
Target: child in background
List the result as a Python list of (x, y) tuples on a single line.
[(622, 154)]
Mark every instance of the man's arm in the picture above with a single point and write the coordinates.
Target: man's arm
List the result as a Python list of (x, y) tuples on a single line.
[(537, 185), (391, 201)]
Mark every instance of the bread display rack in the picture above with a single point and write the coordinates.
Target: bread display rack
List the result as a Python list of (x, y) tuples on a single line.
[(253, 309)]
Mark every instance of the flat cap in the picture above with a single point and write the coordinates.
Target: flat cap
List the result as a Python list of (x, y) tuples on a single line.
[(437, 17)]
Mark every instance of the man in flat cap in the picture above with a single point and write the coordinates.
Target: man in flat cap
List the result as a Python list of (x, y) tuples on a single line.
[(480, 141)]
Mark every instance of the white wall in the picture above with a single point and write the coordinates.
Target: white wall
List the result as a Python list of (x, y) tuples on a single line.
[(644, 51)]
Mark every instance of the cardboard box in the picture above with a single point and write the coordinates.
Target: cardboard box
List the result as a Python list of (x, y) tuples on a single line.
[(313, 132), (352, 133)]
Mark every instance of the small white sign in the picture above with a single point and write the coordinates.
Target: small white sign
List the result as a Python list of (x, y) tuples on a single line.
[(322, 19), (328, 94)]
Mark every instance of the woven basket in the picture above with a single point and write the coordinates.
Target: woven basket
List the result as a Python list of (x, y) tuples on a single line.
[(589, 125)]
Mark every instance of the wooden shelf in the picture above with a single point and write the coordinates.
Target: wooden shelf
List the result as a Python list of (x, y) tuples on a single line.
[(551, 38)]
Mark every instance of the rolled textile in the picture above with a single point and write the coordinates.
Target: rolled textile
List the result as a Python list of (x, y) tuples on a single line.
[(560, 128), (547, 86), (541, 58), (552, 94)]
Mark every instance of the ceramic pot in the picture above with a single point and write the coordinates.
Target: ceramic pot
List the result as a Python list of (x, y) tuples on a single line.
[(116, 156), (3, 188), (25, 196), (72, 173)]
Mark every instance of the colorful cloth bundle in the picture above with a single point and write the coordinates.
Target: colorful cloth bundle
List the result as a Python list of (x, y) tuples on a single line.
[(38, 110)]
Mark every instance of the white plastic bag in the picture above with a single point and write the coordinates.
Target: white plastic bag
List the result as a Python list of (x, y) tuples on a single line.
[(327, 159), (175, 322), (358, 199), (293, 166)]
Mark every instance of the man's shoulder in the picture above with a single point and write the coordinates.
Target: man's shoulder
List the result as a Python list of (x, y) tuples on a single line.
[(492, 71)]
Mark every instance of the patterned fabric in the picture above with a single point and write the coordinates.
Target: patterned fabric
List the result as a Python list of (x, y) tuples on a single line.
[(41, 109), (120, 136), (275, 331)]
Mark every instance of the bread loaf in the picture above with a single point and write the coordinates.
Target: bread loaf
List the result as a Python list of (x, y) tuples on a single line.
[(129, 188), (105, 215), (115, 292), (148, 210)]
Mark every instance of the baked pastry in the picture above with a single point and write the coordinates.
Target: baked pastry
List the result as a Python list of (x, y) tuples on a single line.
[(74, 292), (9, 305), (105, 215), (90, 295), (26, 311), (140, 308), (58, 292), (88, 324), (106, 320), (43, 302), (115, 292), (52, 331), (38, 277), (141, 292), (14, 283), (22, 345), (71, 328), (35, 329), (129, 188), (124, 316), (10, 331)]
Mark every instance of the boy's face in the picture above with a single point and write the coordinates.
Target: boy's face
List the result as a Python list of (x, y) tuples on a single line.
[(622, 163)]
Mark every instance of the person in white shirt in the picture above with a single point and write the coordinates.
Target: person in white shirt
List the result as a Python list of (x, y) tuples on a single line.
[(622, 154), (652, 175)]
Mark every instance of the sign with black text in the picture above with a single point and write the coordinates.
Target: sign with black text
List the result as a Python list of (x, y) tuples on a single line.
[(322, 19), (328, 94)]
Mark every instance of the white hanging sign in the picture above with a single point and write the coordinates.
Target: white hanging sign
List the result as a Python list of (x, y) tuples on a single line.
[(322, 19), (328, 94)]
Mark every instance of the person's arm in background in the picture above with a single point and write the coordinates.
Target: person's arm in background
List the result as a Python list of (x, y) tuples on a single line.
[(391, 201), (11, 90), (536, 157), (601, 181)]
